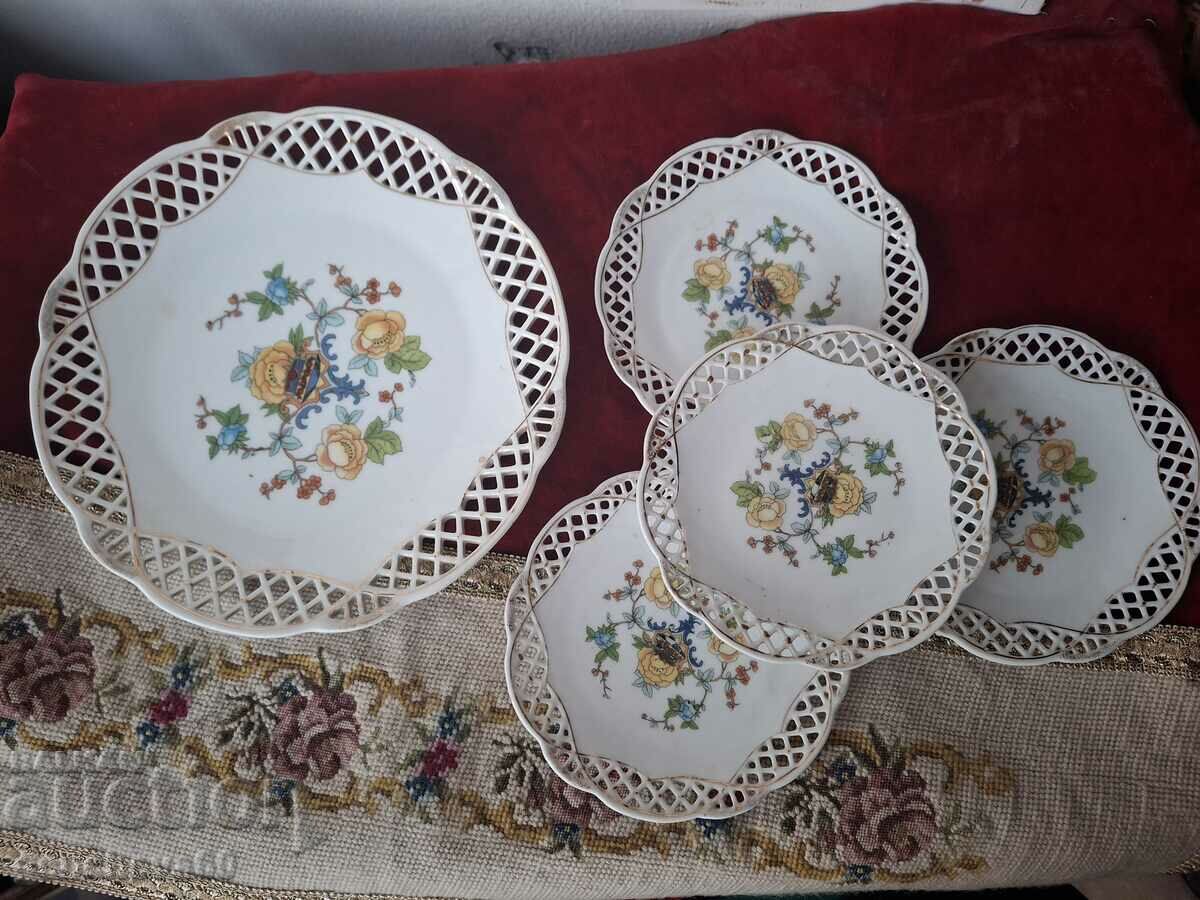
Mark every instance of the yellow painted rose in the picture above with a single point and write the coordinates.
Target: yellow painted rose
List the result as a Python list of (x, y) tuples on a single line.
[(1057, 455), (378, 333), (799, 432), (1042, 539), (785, 281), (722, 649), (269, 371), (712, 273), (656, 589), (654, 669), (847, 496), (342, 450), (765, 512)]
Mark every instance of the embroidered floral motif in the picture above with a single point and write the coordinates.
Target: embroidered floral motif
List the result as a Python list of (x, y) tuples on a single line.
[(353, 742), (678, 651), (871, 810), (298, 731), (1062, 475), (430, 764), (823, 490), (568, 812), (757, 291), (46, 668), (174, 699), (294, 378)]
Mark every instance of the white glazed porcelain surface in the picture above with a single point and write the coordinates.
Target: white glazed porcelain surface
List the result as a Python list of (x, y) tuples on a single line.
[(639, 682), (1096, 495), (161, 359), (734, 235), (818, 496), (300, 372)]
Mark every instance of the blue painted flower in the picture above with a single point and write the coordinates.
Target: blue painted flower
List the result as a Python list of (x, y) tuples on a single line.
[(281, 789), (878, 455), (687, 710), (989, 428), (838, 555), (603, 639), (277, 290), (418, 786), (7, 728), (148, 733), (775, 236), (229, 435), (449, 723)]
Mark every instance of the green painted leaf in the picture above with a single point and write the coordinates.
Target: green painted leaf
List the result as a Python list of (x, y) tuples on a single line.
[(1080, 473), (695, 291), (256, 297), (746, 491), (1068, 532), (296, 337), (276, 271), (213, 447), (840, 570), (611, 652), (721, 337), (266, 309), (409, 358), (691, 725), (763, 432), (381, 443)]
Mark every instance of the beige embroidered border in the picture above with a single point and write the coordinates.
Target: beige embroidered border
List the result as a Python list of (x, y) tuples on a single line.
[(1167, 651), (50, 862)]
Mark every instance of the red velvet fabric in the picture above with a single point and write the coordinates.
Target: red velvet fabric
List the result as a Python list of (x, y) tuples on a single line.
[(1049, 163)]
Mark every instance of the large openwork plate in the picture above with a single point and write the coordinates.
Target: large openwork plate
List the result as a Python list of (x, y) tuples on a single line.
[(816, 495), (299, 372), (1096, 523), (732, 235), (630, 696)]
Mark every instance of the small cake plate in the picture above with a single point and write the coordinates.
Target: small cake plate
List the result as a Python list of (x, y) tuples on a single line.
[(732, 235), (817, 495), (299, 372), (1095, 525), (630, 696)]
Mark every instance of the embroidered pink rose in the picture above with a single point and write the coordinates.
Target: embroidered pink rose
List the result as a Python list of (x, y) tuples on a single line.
[(44, 678), (316, 736), (565, 805), (885, 817)]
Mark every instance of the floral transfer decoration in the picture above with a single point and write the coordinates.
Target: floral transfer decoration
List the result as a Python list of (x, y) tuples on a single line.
[(675, 654), (294, 378), (739, 290), (1040, 477), (823, 488)]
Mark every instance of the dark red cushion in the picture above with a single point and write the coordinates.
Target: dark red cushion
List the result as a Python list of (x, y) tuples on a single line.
[(1049, 163)]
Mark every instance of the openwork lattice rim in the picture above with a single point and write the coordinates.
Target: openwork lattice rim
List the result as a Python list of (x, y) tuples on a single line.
[(845, 176), (69, 395), (780, 758), (1163, 571), (892, 630)]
